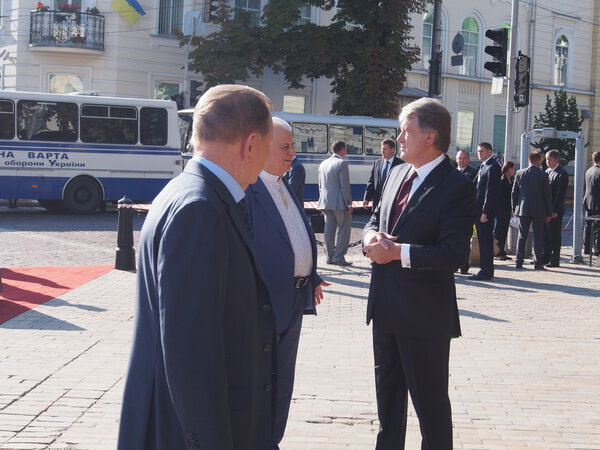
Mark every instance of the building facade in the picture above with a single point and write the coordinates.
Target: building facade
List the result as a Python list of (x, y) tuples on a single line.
[(90, 45)]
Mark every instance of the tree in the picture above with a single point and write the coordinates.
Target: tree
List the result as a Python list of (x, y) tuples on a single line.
[(366, 50), (562, 115)]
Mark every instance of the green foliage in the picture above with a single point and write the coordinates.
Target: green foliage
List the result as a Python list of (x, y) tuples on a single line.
[(366, 50), (562, 115)]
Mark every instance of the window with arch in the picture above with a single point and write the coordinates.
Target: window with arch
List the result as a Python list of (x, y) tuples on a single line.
[(470, 33), (561, 60), (427, 39)]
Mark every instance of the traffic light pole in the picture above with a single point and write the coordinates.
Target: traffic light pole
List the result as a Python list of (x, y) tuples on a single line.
[(509, 141), (435, 63)]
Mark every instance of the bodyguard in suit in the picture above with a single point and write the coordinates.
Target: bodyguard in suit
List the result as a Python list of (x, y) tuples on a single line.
[(379, 172), (486, 206), (463, 165), (416, 237), (287, 252), (335, 200), (559, 181), (532, 204), (200, 373), (296, 178), (591, 203)]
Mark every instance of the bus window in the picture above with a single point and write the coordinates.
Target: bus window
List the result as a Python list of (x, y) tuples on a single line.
[(153, 126), (7, 119), (352, 136), (47, 121), (374, 136), (310, 137), (185, 132), (103, 124)]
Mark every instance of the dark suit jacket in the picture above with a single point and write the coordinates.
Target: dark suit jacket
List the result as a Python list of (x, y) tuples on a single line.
[(488, 189), (276, 256), (199, 375), (591, 199), (296, 178), (470, 172), (531, 194), (437, 222), (559, 181), (374, 185)]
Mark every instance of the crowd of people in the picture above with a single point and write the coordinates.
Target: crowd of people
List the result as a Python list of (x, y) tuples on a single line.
[(228, 268)]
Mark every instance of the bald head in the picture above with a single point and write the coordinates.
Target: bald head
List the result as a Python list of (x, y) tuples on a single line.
[(282, 148)]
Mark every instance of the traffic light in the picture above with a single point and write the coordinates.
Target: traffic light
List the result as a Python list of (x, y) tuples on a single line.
[(522, 81), (498, 51), (210, 10)]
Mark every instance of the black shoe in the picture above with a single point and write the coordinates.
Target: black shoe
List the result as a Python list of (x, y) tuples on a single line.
[(539, 267), (553, 265), (502, 258), (519, 266), (479, 277), (464, 271), (343, 262)]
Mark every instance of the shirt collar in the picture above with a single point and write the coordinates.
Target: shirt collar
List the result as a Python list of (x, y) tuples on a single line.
[(230, 183), (485, 162), (426, 169), (269, 177)]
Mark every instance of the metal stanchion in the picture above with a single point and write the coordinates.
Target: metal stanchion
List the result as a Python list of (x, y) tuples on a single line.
[(125, 253)]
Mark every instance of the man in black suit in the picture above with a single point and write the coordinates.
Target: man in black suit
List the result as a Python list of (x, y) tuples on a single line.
[(416, 237), (591, 203), (532, 204), (486, 205), (381, 169), (200, 372), (559, 181), (296, 177), (463, 165)]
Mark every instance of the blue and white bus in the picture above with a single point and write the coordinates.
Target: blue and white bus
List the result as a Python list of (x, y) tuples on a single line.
[(75, 152), (314, 135)]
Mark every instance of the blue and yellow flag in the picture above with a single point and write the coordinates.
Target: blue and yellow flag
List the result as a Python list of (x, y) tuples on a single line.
[(130, 9)]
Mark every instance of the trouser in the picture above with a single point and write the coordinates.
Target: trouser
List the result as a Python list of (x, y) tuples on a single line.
[(595, 239), (553, 240), (501, 231), (538, 239), (485, 236), (418, 366), (286, 353), (340, 222)]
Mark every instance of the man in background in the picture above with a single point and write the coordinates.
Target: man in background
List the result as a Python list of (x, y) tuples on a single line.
[(559, 181), (200, 372), (296, 178), (379, 172), (532, 204), (287, 252), (463, 160), (591, 204), (335, 200), (486, 204)]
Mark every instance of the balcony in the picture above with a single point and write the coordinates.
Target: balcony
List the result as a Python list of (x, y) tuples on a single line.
[(63, 30)]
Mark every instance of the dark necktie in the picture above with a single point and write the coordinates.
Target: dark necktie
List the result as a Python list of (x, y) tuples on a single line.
[(402, 197), (243, 205), (384, 173)]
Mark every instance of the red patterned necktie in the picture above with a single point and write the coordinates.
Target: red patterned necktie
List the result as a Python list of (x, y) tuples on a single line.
[(402, 197)]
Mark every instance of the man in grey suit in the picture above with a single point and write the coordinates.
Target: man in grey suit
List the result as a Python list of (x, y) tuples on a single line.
[(532, 204), (200, 372), (591, 205), (335, 200)]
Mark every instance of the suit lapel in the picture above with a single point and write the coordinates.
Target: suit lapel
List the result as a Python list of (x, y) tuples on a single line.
[(394, 181), (269, 208), (311, 235)]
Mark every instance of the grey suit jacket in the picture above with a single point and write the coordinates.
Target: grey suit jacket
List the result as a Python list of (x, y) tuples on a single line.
[(591, 199), (199, 375), (334, 184), (531, 195)]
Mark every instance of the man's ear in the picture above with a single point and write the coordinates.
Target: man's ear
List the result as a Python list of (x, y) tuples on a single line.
[(431, 137), (247, 146)]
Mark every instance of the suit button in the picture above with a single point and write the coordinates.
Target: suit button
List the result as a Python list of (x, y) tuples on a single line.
[(267, 348), (190, 436), (266, 307), (267, 388)]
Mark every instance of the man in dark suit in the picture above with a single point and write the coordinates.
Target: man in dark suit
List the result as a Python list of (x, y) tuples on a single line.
[(591, 204), (416, 237), (463, 165), (559, 181), (488, 196), (379, 172), (287, 252), (296, 177), (200, 372), (532, 204)]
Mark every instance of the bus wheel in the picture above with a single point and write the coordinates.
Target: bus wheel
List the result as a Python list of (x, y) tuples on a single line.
[(82, 196), (52, 205)]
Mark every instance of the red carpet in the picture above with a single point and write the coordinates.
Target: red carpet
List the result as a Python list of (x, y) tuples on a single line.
[(25, 288)]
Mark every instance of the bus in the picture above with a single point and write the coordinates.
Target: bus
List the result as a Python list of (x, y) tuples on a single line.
[(77, 152), (314, 135)]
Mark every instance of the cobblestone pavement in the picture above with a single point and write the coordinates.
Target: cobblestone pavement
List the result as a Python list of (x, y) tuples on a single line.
[(525, 374)]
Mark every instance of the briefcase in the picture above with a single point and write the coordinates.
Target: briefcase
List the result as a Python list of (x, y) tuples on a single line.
[(317, 223)]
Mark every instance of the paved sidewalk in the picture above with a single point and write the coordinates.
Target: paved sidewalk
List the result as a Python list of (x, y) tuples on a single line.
[(525, 374)]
